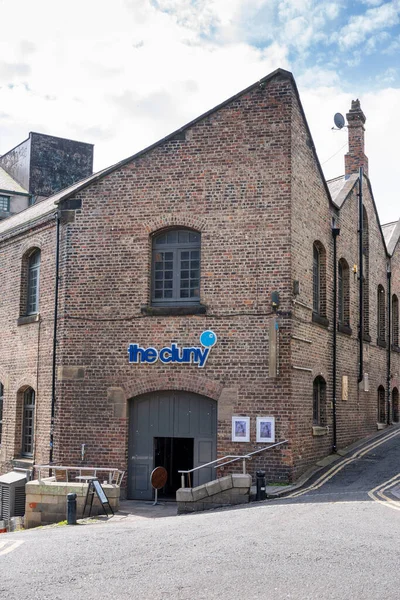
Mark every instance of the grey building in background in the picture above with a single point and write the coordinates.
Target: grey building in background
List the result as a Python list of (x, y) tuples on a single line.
[(39, 167)]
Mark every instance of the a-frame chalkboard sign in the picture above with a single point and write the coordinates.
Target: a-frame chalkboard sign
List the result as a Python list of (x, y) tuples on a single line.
[(95, 487)]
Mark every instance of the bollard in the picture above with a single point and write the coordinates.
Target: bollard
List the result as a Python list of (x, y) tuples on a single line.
[(71, 509), (260, 481)]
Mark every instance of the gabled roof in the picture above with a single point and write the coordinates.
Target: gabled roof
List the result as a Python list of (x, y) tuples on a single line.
[(47, 206), (8, 184), (340, 188), (41, 209), (391, 233)]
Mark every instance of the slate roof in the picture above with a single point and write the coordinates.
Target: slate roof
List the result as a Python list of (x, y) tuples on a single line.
[(9, 184), (43, 208), (340, 188), (391, 233)]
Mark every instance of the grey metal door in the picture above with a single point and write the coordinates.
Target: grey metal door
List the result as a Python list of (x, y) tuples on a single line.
[(169, 414)]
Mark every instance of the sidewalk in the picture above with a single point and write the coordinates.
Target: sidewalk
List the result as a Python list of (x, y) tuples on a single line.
[(325, 463), (132, 510)]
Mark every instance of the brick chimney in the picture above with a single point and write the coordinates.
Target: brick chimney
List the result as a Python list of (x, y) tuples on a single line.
[(355, 157)]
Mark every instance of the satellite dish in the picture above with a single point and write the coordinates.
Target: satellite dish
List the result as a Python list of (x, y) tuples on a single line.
[(338, 119)]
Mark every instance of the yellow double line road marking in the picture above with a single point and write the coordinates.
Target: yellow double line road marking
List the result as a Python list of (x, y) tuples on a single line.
[(380, 491), (9, 548), (335, 469)]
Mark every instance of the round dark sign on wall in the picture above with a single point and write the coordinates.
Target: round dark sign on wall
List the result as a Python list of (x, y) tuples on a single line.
[(158, 478)]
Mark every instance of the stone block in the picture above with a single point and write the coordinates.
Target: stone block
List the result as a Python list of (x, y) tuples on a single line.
[(199, 493), (189, 507), (213, 487), (226, 482), (49, 499), (225, 497), (243, 481), (70, 372), (241, 499), (184, 495), (32, 520)]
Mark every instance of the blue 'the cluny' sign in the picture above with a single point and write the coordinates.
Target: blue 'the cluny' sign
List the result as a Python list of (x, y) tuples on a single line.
[(193, 355)]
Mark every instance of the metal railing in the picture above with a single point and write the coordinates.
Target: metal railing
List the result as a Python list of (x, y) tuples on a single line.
[(234, 458), (61, 473)]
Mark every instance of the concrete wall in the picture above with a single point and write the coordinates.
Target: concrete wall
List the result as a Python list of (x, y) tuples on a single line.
[(46, 501)]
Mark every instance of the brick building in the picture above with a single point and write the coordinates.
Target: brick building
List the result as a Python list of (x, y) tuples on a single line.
[(225, 228)]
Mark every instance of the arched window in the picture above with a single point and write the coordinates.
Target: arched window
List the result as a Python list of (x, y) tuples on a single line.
[(395, 405), (319, 279), (28, 422), (176, 267), (381, 404), (343, 293), (1, 410), (381, 317), (395, 321), (365, 245), (319, 401), (32, 305)]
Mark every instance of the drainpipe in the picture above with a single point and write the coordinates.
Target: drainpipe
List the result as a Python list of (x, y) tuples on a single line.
[(361, 276), (389, 336), (53, 379), (335, 233)]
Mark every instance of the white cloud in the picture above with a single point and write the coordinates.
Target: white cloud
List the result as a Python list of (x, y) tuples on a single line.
[(360, 27), (381, 137), (125, 77)]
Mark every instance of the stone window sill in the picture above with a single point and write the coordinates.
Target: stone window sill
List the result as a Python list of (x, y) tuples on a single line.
[(171, 311), (28, 319), (395, 348), (318, 430), (344, 329), (366, 337), (381, 343), (316, 318), (22, 462)]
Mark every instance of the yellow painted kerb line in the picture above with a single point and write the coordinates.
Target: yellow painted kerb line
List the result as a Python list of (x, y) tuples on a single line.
[(380, 491), (336, 468), (9, 548)]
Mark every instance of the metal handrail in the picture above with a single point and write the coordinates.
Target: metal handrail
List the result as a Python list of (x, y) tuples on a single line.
[(113, 474), (234, 458), (183, 473)]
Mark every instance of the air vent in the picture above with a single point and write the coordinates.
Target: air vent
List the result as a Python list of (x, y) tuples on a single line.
[(12, 495)]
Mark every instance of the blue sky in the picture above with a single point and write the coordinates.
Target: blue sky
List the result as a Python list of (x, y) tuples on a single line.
[(123, 74)]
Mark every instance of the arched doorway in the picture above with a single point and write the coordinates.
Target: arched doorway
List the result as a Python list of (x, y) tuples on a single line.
[(173, 429)]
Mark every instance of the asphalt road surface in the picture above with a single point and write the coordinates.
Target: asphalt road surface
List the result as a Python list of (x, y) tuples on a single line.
[(337, 538)]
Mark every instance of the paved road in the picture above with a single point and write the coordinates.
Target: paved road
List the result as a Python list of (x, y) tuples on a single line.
[(337, 540)]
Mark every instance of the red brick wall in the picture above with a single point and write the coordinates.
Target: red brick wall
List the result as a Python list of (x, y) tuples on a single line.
[(230, 179), (246, 178), (26, 350)]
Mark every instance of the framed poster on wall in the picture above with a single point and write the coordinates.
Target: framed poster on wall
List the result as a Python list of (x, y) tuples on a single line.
[(240, 429), (266, 429)]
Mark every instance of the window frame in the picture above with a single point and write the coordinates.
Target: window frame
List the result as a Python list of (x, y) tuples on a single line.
[(33, 283), (395, 321), (343, 296), (1, 410), (6, 198), (381, 408), (395, 405), (381, 316), (175, 248), (319, 401), (316, 279), (28, 411)]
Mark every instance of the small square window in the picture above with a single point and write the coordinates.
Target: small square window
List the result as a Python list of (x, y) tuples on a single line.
[(4, 203)]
